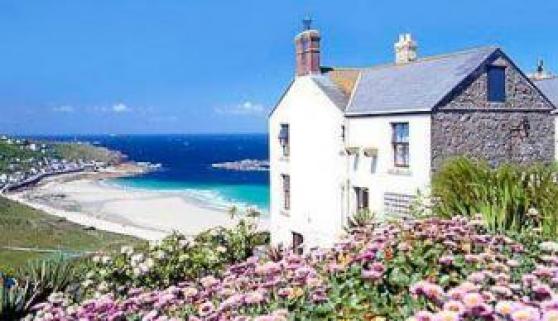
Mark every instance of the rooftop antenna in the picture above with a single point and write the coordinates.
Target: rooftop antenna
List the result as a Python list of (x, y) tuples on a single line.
[(307, 23), (540, 66)]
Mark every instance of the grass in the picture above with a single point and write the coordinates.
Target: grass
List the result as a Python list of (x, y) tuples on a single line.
[(25, 227)]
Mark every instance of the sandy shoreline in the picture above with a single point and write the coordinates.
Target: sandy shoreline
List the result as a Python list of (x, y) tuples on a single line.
[(86, 200)]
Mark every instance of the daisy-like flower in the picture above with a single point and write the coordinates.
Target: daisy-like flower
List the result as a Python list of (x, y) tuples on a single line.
[(446, 315), (525, 314), (551, 315), (205, 309), (424, 316), (455, 306), (505, 308), (472, 300)]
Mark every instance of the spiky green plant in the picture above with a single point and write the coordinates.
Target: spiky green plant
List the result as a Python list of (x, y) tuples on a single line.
[(49, 276), (15, 300), (361, 218), (503, 196)]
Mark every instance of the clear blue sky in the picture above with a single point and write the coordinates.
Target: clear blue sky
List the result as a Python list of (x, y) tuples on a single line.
[(144, 66)]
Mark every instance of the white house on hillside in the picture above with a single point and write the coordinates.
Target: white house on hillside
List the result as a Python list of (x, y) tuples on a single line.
[(344, 139)]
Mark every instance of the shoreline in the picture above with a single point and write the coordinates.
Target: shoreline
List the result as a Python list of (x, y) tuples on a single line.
[(86, 199)]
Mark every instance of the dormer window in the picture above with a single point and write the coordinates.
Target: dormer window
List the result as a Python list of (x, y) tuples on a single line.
[(496, 84), (284, 139)]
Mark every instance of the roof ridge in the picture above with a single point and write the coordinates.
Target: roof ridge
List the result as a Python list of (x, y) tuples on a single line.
[(423, 59), (552, 77)]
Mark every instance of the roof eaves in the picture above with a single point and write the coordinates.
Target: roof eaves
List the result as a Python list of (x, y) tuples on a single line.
[(281, 98), (390, 112)]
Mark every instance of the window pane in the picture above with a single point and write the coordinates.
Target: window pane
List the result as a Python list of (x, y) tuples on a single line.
[(496, 84), (401, 133)]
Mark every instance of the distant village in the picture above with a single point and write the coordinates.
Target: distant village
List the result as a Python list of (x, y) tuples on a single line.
[(24, 162)]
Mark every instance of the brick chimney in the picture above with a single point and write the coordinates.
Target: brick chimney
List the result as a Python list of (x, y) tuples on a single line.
[(307, 44), (405, 49)]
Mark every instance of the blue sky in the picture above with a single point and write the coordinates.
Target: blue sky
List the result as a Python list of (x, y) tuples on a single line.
[(142, 66)]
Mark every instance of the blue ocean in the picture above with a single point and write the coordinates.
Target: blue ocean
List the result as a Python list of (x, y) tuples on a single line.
[(186, 166)]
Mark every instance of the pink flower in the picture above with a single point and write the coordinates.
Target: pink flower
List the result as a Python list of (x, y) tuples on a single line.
[(206, 309), (505, 308), (476, 277), (526, 314), (550, 316), (446, 260), (424, 316), (446, 316), (472, 300), (454, 306)]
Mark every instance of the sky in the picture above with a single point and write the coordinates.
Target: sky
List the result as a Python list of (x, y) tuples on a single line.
[(181, 66)]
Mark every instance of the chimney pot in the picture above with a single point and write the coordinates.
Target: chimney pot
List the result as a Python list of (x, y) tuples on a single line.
[(405, 49)]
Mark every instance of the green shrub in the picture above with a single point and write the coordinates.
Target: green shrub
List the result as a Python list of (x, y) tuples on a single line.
[(174, 259), (509, 198)]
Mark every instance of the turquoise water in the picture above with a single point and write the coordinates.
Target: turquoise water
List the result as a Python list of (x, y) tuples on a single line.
[(216, 196), (186, 166)]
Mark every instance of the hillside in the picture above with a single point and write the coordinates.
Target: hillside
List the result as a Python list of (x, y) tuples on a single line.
[(25, 227)]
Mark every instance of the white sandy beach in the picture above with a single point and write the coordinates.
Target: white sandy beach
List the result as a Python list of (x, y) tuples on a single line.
[(89, 201)]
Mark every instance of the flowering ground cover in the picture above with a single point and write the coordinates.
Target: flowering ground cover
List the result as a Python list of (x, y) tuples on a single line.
[(427, 269)]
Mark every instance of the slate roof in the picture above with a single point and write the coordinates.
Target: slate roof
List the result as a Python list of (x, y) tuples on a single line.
[(332, 91), (413, 87), (549, 88)]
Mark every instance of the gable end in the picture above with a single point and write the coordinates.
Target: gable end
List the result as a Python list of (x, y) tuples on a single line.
[(472, 92)]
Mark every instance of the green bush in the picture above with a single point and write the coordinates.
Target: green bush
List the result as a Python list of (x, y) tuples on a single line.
[(509, 198), (174, 259)]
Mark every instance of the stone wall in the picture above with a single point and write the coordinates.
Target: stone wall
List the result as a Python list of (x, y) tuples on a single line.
[(519, 130)]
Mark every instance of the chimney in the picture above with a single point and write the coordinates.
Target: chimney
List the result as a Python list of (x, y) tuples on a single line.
[(307, 45), (405, 49)]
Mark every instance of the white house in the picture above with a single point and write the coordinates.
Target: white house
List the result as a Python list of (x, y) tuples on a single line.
[(345, 139)]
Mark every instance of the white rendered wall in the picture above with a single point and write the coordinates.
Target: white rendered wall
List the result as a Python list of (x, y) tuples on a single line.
[(316, 167), (376, 132)]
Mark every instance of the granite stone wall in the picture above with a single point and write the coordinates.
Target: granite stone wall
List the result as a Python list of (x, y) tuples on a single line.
[(519, 130)]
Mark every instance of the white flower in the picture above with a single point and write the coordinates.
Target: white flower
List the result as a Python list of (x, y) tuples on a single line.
[(160, 255), (102, 287), (96, 259), (221, 249), (105, 259), (128, 250), (143, 268), (137, 271), (87, 283), (136, 259), (150, 262), (549, 246)]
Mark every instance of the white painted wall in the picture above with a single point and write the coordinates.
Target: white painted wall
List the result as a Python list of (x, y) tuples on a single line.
[(316, 166), (376, 131)]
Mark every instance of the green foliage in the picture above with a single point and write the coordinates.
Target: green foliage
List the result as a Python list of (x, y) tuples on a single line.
[(174, 259), (361, 218), (86, 152), (509, 198), (14, 299), (34, 284)]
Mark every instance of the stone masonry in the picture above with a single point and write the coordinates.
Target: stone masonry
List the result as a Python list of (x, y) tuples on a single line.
[(519, 130)]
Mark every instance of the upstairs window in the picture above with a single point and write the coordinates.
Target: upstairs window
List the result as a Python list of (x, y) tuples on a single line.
[(284, 139), (286, 192), (496, 84), (400, 141)]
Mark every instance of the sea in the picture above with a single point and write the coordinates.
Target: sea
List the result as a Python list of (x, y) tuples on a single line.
[(185, 166)]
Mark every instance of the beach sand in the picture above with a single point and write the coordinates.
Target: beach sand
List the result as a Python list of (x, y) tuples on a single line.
[(88, 200)]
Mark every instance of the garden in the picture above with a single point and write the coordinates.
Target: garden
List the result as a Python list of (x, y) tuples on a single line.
[(494, 259)]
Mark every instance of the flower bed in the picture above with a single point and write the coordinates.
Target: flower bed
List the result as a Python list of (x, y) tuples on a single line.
[(425, 270)]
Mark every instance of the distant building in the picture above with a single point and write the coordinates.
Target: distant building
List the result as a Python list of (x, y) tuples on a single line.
[(347, 139)]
